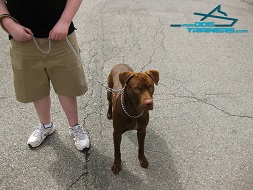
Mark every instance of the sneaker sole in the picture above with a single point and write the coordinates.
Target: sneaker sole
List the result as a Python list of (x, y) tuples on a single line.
[(84, 149), (31, 147)]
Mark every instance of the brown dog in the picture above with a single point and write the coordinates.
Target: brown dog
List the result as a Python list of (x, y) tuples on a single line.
[(129, 107)]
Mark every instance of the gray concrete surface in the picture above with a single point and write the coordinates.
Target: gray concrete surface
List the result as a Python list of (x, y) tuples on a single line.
[(200, 135)]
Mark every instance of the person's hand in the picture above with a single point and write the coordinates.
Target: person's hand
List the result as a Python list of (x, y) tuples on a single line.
[(59, 31), (17, 31)]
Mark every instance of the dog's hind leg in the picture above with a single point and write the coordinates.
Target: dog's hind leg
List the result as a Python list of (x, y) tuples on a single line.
[(109, 96)]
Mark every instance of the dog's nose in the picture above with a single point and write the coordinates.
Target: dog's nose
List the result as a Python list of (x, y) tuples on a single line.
[(149, 103)]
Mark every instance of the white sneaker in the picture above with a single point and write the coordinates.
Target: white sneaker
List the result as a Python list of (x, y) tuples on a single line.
[(39, 135), (80, 137)]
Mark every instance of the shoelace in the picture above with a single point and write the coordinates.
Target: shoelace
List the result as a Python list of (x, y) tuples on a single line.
[(39, 131), (79, 133)]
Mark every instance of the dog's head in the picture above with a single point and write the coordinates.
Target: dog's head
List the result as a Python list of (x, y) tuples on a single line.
[(140, 88)]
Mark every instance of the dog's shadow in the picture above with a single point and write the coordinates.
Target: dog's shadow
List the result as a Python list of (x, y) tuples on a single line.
[(161, 174), (162, 169)]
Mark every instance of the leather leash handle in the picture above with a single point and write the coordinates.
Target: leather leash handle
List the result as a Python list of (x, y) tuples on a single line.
[(6, 15)]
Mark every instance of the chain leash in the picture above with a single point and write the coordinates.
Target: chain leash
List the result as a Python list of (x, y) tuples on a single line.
[(39, 48), (72, 48), (49, 48)]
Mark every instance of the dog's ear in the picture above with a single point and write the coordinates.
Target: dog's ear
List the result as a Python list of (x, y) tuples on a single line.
[(124, 77), (154, 75)]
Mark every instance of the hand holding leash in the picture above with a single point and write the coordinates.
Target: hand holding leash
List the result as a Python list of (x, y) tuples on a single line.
[(12, 26)]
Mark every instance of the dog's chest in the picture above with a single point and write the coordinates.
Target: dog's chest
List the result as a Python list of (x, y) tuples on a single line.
[(134, 125)]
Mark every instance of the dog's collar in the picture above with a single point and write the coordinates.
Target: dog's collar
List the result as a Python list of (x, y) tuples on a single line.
[(123, 107), (121, 90)]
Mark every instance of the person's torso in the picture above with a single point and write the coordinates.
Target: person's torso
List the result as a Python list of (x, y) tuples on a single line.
[(38, 15)]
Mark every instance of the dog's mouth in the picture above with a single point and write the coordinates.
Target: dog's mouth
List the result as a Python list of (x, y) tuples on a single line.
[(148, 108)]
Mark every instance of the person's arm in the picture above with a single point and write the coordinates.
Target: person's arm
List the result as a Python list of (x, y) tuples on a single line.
[(17, 31), (60, 30), (3, 7), (4, 11)]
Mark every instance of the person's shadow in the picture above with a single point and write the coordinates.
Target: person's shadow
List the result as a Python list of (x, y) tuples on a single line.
[(83, 170), (69, 166)]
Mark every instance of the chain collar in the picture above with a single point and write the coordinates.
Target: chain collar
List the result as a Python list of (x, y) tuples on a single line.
[(123, 107)]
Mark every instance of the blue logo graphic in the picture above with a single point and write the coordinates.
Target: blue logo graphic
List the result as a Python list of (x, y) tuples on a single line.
[(211, 27)]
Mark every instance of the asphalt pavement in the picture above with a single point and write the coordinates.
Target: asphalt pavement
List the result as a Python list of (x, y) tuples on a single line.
[(200, 134)]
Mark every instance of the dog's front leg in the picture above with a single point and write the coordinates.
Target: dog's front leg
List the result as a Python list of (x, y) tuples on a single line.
[(116, 167), (141, 134)]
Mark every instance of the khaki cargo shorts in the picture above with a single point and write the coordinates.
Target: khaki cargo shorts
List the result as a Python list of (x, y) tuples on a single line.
[(33, 70)]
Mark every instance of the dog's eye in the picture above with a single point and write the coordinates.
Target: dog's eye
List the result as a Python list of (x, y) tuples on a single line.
[(151, 89), (137, 89)]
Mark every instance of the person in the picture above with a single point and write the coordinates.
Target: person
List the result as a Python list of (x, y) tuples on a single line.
[(40, 55)]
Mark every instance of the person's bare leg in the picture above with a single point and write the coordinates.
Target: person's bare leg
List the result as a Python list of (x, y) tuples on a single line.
[(69, 105), (42, 107), (44, 129), (80, 136)]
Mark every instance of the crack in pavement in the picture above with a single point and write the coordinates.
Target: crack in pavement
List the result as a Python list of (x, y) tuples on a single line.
[(214, 106), (247, 1), (204, 101), (85, 173)]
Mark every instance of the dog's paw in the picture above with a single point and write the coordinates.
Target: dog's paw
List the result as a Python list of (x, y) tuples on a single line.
[(116, 168), (109, 116), (144, 162)]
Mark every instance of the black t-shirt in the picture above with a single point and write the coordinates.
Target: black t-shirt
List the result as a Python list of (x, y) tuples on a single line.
[(38, 15)]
